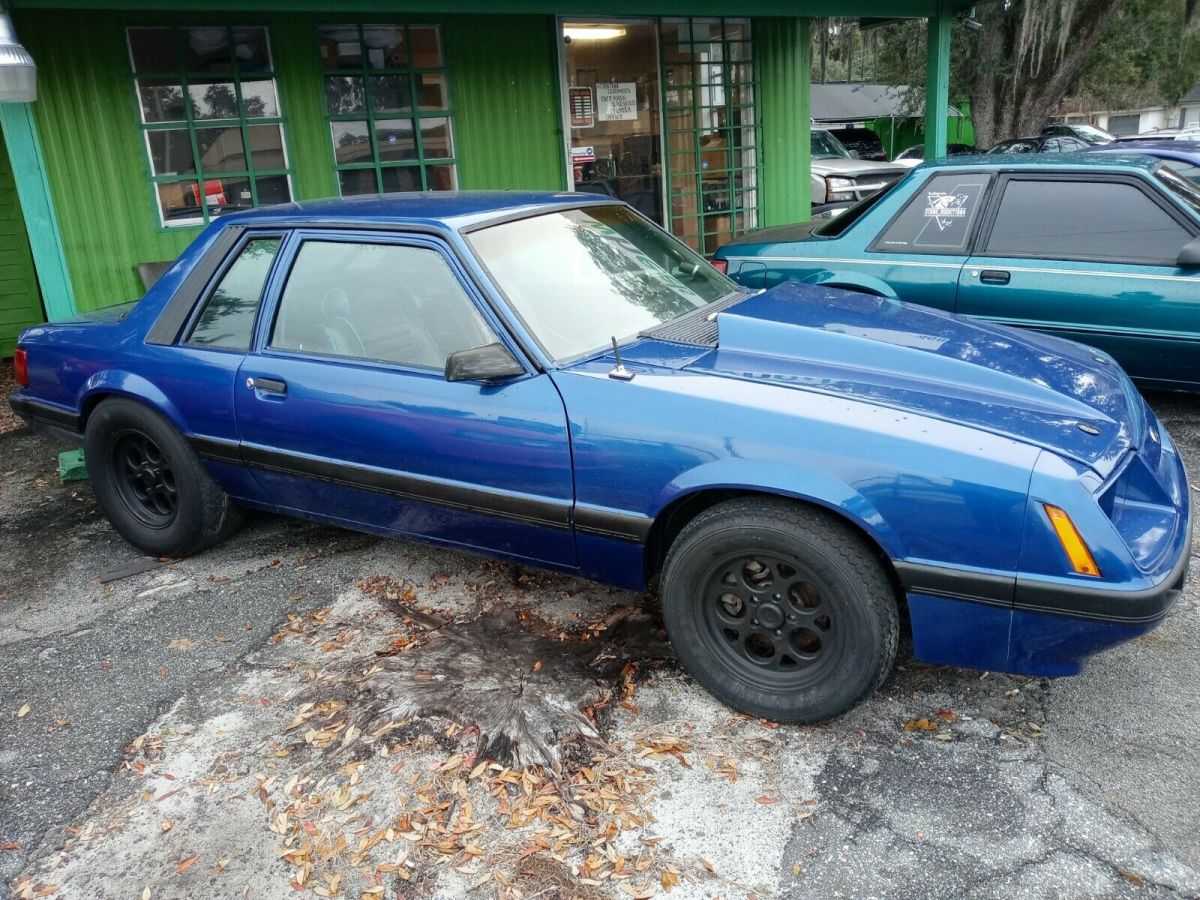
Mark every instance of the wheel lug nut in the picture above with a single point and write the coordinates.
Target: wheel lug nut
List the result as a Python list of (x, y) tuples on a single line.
[(777, 597), (791, 618), (778, 634), (754, 600), (755, 622)]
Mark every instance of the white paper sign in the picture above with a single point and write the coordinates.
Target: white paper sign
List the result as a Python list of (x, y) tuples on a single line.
[(617, 101)]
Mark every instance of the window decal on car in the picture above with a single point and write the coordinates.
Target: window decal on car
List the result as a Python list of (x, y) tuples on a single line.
[(939, 218), (945, 208)]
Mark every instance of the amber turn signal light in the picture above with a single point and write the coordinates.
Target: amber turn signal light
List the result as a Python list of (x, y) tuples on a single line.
[(1068, 535)]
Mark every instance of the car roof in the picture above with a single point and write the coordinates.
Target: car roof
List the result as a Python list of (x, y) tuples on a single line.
[(1089, 160), (1160, 149), (447, 209)]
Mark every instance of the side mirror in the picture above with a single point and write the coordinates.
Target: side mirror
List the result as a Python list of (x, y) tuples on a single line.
[(489, 363), (1189, 256)]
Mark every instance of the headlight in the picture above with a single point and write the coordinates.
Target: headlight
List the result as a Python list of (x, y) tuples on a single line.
[(838, 189)]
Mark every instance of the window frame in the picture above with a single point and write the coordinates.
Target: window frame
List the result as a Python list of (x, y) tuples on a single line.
[(184, 77), (981, 217), (415, 237), (984, 232), (230, 259), (369, 115)]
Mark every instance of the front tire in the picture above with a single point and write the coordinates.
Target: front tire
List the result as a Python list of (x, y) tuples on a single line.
[(780, 609), (151, 485)]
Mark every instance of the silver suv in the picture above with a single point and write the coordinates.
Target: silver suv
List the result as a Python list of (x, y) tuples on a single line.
[(839, 176)]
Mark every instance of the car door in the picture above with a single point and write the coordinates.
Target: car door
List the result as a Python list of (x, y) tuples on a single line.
[(921, 250), (1091, 258), (199, 347), (346, 414)]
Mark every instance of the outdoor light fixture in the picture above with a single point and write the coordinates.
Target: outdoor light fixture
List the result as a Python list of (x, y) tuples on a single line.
[(593, 32), (18, 73), (969, 21)]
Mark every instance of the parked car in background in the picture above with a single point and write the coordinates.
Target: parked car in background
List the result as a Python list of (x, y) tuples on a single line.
[(552, 379), (1180, 157), (1089, 134), (1042, 143), (1100, 248), (862, 142), (1190, 133), (915, 155), (837, 175)]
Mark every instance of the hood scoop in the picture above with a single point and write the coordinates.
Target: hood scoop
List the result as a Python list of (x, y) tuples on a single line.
[(1021, 384)]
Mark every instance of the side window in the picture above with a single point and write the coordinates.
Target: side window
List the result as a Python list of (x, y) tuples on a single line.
[(228, 317), (939, 217), (382, 302), (1054, 145), (1076, 220)]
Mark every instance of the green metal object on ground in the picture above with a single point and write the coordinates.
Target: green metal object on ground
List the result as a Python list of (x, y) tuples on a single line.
[(71, 466)]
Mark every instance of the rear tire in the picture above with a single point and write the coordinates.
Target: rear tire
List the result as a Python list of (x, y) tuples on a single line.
[(151, 485), (780, 609)]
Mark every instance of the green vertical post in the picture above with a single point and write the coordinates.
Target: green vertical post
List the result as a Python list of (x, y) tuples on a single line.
[(937, 83), (37, 206), (784, 61)]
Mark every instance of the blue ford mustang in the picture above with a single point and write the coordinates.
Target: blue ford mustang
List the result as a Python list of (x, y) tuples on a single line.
[(554, 380)]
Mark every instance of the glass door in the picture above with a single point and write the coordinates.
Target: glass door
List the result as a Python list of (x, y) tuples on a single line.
[(612, 111)]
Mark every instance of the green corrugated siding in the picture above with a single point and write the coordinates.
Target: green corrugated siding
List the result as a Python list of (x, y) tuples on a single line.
[(20, 301), (784, 56), (503, 81)]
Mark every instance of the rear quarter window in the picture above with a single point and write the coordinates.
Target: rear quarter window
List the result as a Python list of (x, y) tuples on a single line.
[(939, 218)]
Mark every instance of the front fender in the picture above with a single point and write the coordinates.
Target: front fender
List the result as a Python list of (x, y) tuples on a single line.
[(785, 481)]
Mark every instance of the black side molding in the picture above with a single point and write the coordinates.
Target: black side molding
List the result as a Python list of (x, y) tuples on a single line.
[(64, 422)]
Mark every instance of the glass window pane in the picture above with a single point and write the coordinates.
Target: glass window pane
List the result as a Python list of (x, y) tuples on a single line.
[(380, 302), (273, 189), (221, 150), (939, 218), (401, 178), (389, 92), (228, 195), (207, 50), (351, 143), (171, 152), (340, 46), (426, 47), (229, 312), (431, 91), (250, 49), (179, 201), (1071, 219), (435, 138), (266, 146), (213, 100), (259, 100), (357, 181), (153, 50), (395, 140), (385, 46), (161, 102), (345, 95), (442, 178)]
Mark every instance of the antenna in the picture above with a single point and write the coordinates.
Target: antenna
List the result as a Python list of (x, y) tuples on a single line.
[(619, 372)]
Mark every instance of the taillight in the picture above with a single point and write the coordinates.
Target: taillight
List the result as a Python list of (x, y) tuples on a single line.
[(721, 266), (21, 367)]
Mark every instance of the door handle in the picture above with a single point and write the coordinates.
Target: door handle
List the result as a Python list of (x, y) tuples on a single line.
[(994, 276), (268, 385)]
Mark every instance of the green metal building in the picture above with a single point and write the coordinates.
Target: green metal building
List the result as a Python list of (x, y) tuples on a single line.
[(153, 116)]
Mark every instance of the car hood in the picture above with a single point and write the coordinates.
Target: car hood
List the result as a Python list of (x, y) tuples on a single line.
[(1055, 394), (853, 167)]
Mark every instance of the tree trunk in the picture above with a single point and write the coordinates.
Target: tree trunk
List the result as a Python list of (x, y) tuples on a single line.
[(1012, 90)]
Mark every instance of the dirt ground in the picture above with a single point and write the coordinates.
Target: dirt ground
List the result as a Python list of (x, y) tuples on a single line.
[(8, 419), (306, 712)]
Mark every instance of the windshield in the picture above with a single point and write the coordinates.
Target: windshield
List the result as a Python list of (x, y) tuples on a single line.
[(1091, 134), (1183, 189), (580, 277), (826, 146)]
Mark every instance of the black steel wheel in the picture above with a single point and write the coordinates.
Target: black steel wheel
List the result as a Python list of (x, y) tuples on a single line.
[(780, 609), (144, 479), (151, 484)]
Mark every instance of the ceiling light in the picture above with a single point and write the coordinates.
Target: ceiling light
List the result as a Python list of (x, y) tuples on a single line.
[(593, 32)]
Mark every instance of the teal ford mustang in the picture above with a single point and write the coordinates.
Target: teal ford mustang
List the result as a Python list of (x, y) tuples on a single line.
[(1102, 251)]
